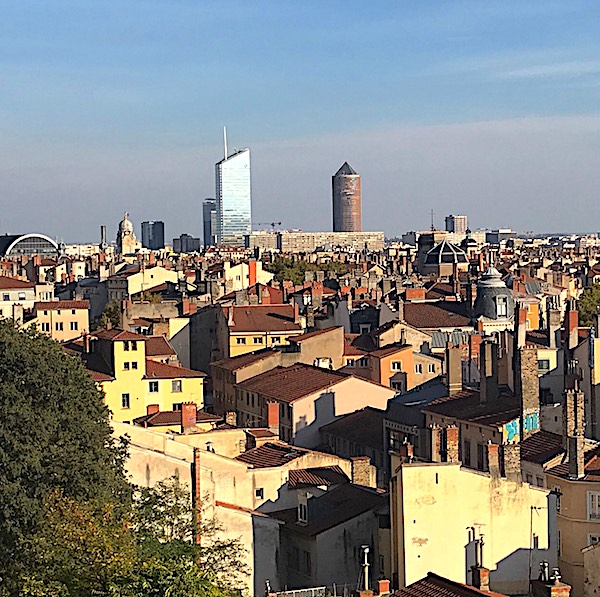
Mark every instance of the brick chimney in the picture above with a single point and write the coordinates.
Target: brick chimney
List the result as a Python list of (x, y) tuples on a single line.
[(252, 276), (152, 409), (527, 388), (362, 471), (231, 418), (488, 365), (521, 326), (572, 325), (273, 417), (453, 370), (188, 417), (436, 443), (512, 461), (406, 452), (553, 326), (265, 296), (451, 433), (481, 578), (573, 415), (493, 451), (550, 587)]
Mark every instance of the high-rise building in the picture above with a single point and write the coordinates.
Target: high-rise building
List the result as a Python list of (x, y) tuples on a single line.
[(347, 209), (209, 221), (233, 197), (456, 224), (153, 235), (186, 244)]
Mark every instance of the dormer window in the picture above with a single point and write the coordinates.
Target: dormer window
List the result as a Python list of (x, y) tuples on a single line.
[(502, 306)]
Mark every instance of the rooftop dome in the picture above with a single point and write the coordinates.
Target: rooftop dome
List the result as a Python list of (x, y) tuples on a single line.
[(445, 252), (125, 225), (494, 300)]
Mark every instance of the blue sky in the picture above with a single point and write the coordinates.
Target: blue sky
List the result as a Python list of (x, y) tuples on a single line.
[(479, 107)]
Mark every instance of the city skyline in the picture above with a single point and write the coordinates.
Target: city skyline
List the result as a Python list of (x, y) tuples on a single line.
[(488, 109)]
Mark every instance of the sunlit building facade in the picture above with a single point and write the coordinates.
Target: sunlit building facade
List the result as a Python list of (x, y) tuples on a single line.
[(233, 198)]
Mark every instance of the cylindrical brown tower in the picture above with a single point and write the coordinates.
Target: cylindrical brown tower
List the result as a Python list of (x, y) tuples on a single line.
[(347, 210)]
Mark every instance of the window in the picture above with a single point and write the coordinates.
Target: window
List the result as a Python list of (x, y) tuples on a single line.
[(134, 364), (543, 365), (153, 386), (58, 326), (419, 368), (502, 306), (593, 505), (258, 340), (529, 478), (134, 345), (45, 327), (177, 405), (364, 328), (306, 562), (593, 539), (176, 385), (467, 452), (126, 366), (45, 312), (539, 481), (362, 362), (259, 493), (240, 340), (124, 400), (302, 512), (276, 339), (430, 368), (72, 311), (482, 457), (5, 296), (22, 297), (73, 326), (396, 366), (126, 345)]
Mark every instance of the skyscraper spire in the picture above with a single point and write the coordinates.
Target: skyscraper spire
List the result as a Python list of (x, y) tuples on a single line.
[(225, 142)]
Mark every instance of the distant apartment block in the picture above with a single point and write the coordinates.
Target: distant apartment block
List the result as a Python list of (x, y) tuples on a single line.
[(186, 244), (153, 235), (456, 224), (307, 242)]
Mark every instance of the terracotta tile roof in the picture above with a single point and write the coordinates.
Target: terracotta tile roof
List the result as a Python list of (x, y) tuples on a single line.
[(262, 318), (55, 305), (7, 283), (158, 346), (591, 467), (173, 417), (537, 338), (438, 586), (271, 454), (436, 315), (275, 295), (465, 406), (541, 447), (314, 334), (317, 476), (363, 427), (390, 349), (439, 290), (117, 334), (98, 368), (291, 383), (350, 350), (243, 360), (333, 508), (156, 370), (239, 509)]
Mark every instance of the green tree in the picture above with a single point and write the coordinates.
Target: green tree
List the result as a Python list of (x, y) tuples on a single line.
[(110, 318), (54, 435), (588, 304)]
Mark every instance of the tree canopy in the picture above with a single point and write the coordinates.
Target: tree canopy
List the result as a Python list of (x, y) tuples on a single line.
[(588, 304), (286, 268)]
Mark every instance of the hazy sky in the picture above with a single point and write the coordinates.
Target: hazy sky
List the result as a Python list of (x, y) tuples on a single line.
[(489, 108)]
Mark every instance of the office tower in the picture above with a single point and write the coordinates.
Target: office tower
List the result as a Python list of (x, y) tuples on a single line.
[(186, 244), (347, 210), (456, 224), (209, 221), (153, 235), (234, 200)]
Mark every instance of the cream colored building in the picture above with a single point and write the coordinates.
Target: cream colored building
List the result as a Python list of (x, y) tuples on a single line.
[(440, 511), (62, 320), (124, 285)]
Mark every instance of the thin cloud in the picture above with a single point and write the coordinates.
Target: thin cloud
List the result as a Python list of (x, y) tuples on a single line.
[(557, 70)]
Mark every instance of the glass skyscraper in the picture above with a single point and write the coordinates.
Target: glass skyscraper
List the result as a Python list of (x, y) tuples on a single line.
[(233, 198)]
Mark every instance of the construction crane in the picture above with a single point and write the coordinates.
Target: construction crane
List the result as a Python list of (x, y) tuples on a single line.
[(272, 224)]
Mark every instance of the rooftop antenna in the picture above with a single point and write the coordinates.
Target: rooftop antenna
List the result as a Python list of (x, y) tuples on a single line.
[(225, 141), (432, 224)]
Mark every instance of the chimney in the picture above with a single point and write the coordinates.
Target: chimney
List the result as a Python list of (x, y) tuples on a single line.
[(451, 433), (252, 277), (406, 452), (550, 587), (453, 370), (231, 418), (265, 296), (296, 313), (527, 387), (572, 325), (488, 366), (362, 471), (493, 453), (576, 454), (188, 417), (436, 443), (230, 321), (512, 461), (553, 326), (573, 415), (273, 417), (383, 587), (152, 409), (481, 578)]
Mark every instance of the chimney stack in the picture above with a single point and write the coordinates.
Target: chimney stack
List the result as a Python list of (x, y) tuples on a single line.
[(553, 325), (152, 409), (521, 326), (573, 415), (572, 325), (512, 461), (453, 370), (273, 417), (452, 443), (494, 460), (527, 388), (362, 471), (436, 443), (188, 417), (488, 366)]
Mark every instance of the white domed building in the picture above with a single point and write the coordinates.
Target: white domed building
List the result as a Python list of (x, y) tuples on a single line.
[(127, 243)]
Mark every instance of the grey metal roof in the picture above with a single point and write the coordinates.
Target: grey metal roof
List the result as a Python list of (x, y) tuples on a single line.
[(346, 170)]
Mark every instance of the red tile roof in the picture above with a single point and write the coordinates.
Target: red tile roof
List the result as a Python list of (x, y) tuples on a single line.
[(350, 349), (438, 586), (173, 417), (243, 360), (317, 476), (287, 384), (314, 334), (390, 349), (7, 283), (117, 334), (465, 406), (435, 315), (156, 370), (158, 346), (262, 318), (591, 466), (541, 447), (363, 427), (55, 305), (261, 433), (271, 454)]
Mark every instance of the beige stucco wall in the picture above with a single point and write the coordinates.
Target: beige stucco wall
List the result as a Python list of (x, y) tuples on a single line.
[(591, 566), (434, 504)]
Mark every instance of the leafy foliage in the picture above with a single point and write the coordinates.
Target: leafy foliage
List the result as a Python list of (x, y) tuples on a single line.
[(287, 268), (588, 304), (110, 318)]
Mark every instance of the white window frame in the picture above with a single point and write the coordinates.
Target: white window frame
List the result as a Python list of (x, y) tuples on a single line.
[(593, 505)]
